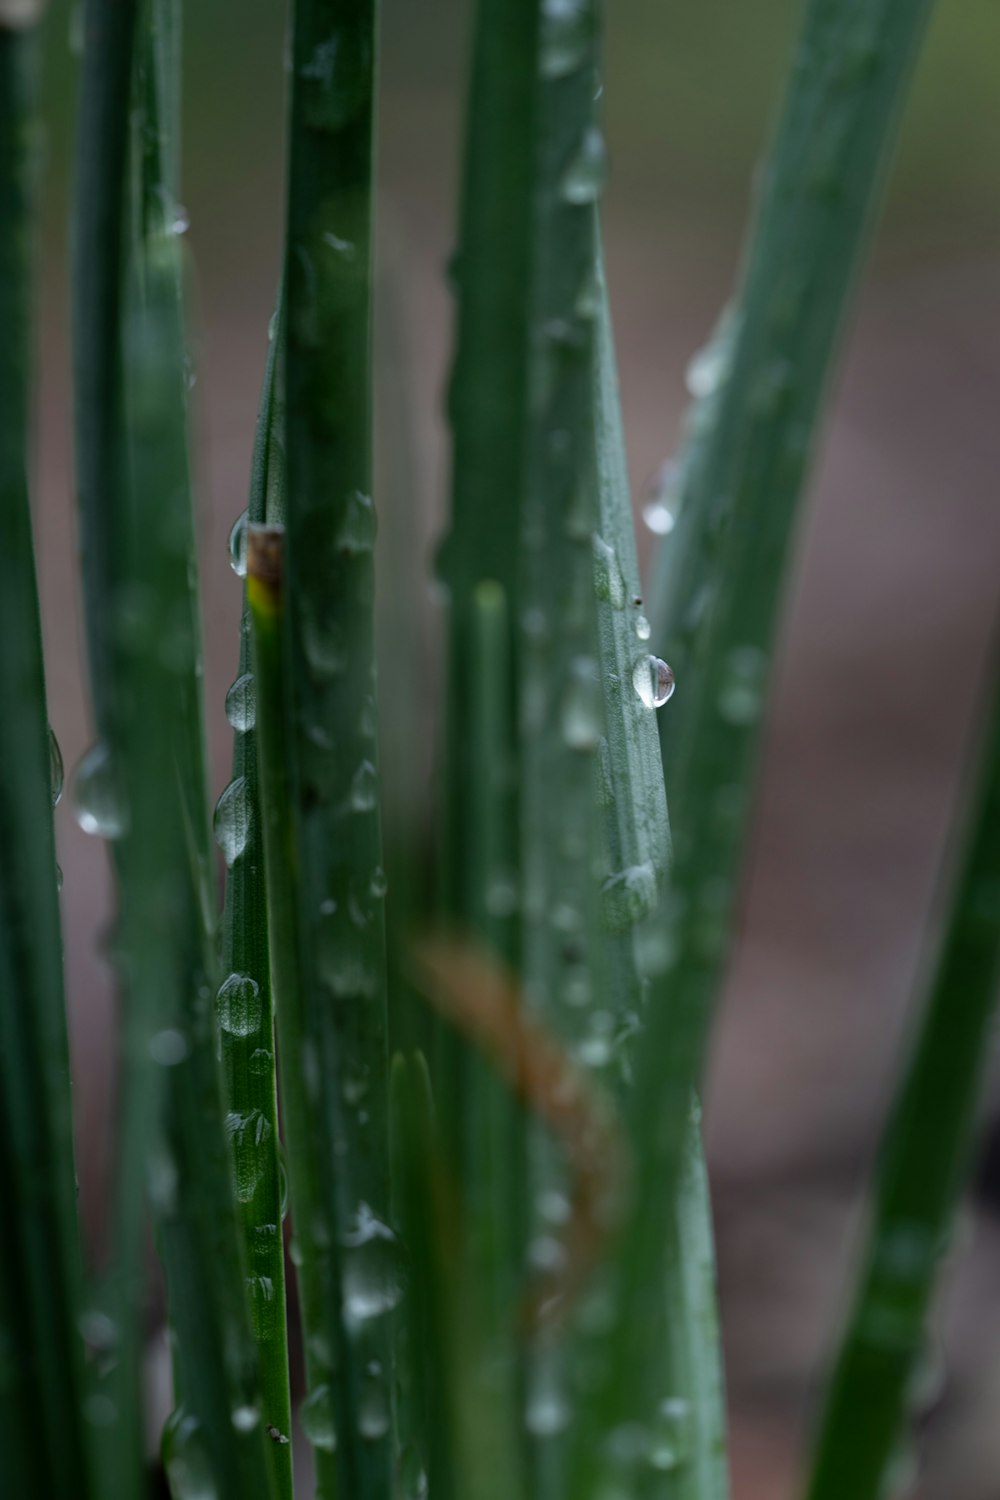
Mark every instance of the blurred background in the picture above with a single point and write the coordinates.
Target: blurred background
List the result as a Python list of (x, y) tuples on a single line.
[(895, 591)]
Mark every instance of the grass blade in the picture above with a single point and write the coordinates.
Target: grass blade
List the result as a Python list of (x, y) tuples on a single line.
[(675, 1398), (327, 685), (718, 581), (245, 1002), (144, 786), (924, 1156), (40, 1350)]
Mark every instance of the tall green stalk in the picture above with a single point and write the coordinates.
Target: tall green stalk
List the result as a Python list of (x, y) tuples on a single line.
[(718, 592), (144, 785), (337, 1128), (244, 1003), (40, 1350), (924, 1158)]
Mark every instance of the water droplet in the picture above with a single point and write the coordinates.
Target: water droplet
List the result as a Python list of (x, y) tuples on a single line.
[(584, 178), (59, 878), (316, 1416), (263, 1310), (261, 1062), (668, 1438), (364, 788), (742, 693), (566, 37), (233, 820), (185, 1458), (660, 510), (373, 1409), (373, 1268), (356, 532), (98, 1331), (239, 1006), (249, 1134), (57, 775), (181, 222), (345, 250), (580, 714), (238, 545), (642, 629), (241, 703), (378, 885), (547, 1412), (653, 680), (245, 1418), (629, 896), (97, 799), (709, 367), (608, 581), (168, 1048)]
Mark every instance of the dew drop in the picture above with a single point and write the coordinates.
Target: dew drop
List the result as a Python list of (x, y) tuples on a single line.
[(241, 703), (97, 800), (642, 629), (580, 711), (584, 178), (185, 1458), (249, 1134), (547, 1413), (57, 774), (608, 581), (373, 1409), (373, 1268), (239, 1006), (629, 895), (378, 885), (364, 788), (316, 1416), (356, 532), (238, 545), (261, 1062), (653, 680), (168, 1047), (245, 1418), (567, 34), (100, 1410), (742, 693), (233, 820)]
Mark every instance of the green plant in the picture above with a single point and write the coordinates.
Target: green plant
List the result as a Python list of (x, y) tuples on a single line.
[(501, 1235)]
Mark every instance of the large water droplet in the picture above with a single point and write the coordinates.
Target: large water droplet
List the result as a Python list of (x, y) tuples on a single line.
[(742, 693), (373, 1268), (316, 1416), (238, 545), (233, 820), (97, 798), (584, 178), (580, 713), (239, 1006), (241, 703), (373, 1409), (653, 680), (57, 774)]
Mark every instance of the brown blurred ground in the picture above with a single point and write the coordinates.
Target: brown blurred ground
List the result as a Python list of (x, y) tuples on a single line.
[(896, 587)]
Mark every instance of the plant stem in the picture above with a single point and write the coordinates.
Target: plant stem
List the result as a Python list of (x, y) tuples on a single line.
[(924, 1157), (719, 579), (40, 1364), (329, 708), (246, 1012)]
